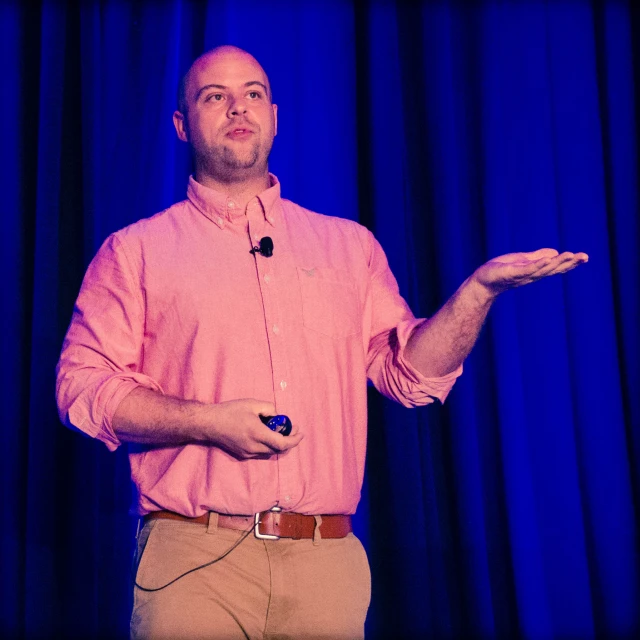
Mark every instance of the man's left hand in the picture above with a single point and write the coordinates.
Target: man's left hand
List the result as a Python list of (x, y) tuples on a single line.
[(515, 269)]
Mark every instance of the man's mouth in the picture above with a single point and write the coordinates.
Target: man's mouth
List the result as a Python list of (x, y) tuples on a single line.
[(239, 133)]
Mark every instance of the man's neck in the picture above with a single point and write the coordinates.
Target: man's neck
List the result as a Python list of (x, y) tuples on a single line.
[(241, 192)]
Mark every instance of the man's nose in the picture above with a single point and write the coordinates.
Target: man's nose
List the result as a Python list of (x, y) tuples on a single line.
[(237, 107)]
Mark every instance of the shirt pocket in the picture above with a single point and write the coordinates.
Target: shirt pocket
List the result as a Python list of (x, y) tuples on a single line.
[(330, 302)]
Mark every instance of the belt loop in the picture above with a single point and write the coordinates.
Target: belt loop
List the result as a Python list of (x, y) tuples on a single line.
[(212, 527), (317, 536)]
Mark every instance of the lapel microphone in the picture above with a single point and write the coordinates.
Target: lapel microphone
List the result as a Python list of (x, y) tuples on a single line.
[(264, 248)]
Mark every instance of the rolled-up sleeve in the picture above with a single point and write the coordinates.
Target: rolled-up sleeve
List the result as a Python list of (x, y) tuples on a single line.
[(102, 352), (391, 326)]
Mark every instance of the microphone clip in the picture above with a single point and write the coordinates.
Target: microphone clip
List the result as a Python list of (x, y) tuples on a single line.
[(264, 248)]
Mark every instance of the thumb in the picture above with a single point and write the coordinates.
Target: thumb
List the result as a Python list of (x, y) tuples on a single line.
[(541, 253), (263, 408)]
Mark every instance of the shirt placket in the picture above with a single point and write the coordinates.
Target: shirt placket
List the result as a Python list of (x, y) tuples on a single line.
[(276, 327)]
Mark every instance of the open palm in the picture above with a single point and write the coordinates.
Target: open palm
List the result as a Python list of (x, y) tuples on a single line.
[(515, 269)]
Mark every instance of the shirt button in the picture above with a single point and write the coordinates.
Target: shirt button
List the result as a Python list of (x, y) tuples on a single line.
[(283, 384), (270, 218), (287, 498), (220, 220), (267, 278), (231, 205), (276, 328)]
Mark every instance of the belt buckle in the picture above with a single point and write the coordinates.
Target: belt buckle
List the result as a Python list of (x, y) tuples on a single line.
[(256, 526)]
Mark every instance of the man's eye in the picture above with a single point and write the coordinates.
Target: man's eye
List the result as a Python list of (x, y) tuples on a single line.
[(254, 94), (217, 97)]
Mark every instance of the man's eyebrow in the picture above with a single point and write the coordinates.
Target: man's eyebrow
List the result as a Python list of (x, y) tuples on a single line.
[(209, 86), (221, 86), (248, 84)]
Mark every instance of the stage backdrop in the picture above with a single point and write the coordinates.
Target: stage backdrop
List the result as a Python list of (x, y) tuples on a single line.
[(456, 132)]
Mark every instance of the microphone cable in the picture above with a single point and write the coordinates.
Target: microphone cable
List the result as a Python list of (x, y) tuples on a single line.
[(237, 543)]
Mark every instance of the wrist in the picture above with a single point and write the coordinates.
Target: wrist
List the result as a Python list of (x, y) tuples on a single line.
[(206, 423), (479, 293)]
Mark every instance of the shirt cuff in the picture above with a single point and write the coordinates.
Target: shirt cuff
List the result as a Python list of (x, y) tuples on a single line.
[(93, 410), (439, 387)]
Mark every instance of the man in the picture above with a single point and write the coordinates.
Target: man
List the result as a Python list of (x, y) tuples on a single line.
[(185, 334)]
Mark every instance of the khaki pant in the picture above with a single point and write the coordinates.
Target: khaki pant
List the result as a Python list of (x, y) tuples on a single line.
[(267, 589)]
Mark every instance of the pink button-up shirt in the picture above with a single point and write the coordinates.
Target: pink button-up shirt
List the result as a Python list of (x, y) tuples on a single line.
[(177, 303)]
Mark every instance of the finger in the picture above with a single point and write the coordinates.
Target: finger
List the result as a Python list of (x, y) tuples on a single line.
[(566, 266), (558, 262), (293, 440), (540, 253), (260, 449), (582, 257), (527, 255), (263, 456), (525, 258), (530, 268), (569, 259), (545, 262), (279, 443), (564, 258), (563, 263), (542, 271), (257, 451)]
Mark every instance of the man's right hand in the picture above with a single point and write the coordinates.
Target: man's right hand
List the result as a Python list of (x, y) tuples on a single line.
[(149, 417), (236, 427)]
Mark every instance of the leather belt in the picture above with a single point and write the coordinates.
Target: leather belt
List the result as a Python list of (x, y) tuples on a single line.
[(270, 525)]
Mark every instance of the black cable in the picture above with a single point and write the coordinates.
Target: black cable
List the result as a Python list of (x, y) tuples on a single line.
[(202, 566)]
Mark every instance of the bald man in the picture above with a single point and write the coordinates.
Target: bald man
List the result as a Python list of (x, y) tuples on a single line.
[(190, 329)]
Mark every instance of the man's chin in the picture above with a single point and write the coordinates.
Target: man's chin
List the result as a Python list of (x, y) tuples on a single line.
[(241, 161), (230, 165), (244, 164)]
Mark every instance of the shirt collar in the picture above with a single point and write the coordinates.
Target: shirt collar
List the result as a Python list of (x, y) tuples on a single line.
[(222, 209)]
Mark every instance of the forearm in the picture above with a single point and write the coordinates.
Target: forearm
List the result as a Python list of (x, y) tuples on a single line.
[(149, 417), (440, 344)]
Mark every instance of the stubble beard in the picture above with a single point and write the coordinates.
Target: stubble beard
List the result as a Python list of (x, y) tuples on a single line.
[(227, 165)]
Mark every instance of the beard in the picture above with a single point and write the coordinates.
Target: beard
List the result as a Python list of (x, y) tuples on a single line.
[(231, 165), (232, 159)]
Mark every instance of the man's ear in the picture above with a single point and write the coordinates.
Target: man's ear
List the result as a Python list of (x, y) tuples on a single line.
[(180, 123), (275, 119)]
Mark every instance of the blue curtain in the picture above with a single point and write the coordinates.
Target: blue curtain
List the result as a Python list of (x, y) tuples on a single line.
[(456, 132)]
